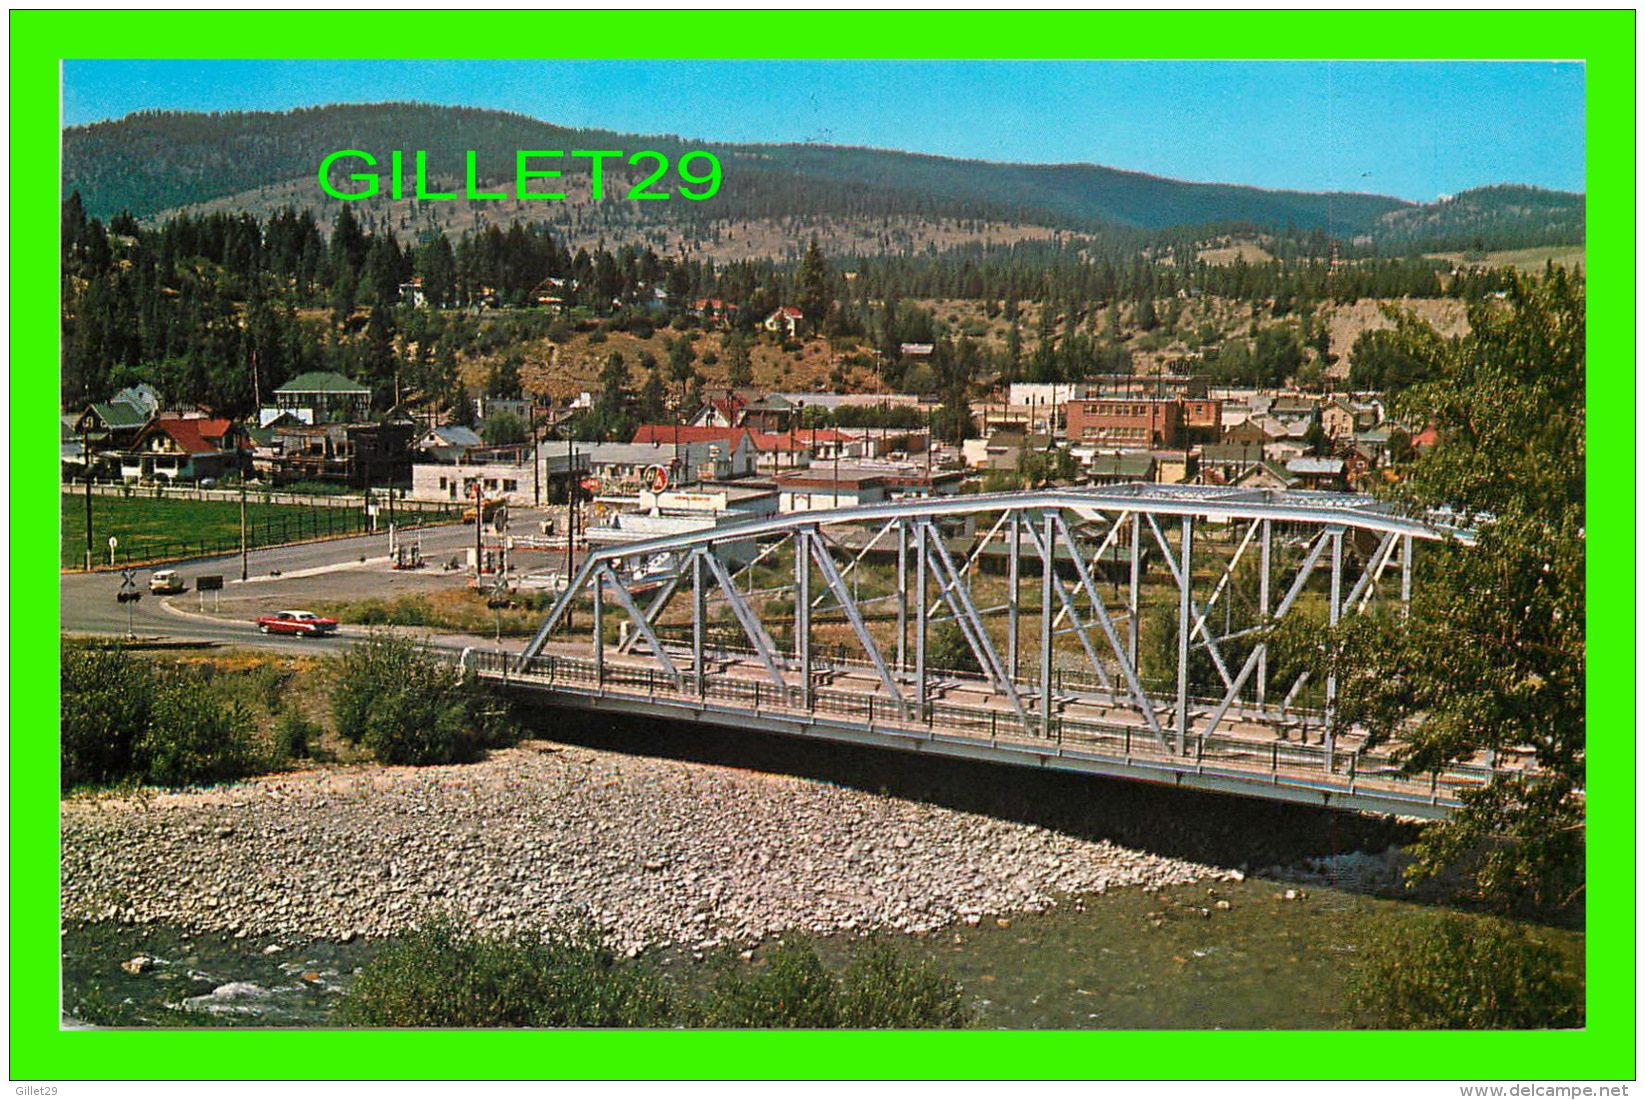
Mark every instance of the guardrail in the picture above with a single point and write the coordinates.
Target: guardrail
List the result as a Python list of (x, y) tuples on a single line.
[(1277, 763)]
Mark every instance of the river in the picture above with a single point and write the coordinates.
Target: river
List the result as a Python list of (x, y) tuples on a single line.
[(1269, 951)]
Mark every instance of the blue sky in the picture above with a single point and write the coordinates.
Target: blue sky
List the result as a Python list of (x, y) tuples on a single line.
[(1411, 129)]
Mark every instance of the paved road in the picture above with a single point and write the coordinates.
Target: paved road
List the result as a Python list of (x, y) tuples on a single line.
[(281, 577)]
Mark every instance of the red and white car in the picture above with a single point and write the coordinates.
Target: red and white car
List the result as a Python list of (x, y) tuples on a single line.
[(304, 624)]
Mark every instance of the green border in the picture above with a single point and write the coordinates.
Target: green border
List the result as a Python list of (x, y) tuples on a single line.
[(1605, 1051)]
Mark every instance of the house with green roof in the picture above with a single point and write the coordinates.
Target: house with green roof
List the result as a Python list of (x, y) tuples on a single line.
[(322, 397)]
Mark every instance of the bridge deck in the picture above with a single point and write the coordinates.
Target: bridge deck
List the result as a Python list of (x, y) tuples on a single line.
[(1252, 756)]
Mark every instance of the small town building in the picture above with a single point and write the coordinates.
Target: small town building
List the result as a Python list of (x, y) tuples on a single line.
[(1174, 467), (320, 397), (1118, 469), (821, 487), (1266, 475), (785, 320), (183, 449), (737, 447), (447, 443), (1125, 423), (1319, 473)]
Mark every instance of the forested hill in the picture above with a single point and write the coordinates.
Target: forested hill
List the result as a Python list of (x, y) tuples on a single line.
[(154, 162)]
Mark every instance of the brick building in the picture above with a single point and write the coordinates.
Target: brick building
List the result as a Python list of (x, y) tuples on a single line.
[(1128, 423)]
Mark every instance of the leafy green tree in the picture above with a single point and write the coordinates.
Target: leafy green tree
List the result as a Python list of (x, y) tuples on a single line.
[(946, 648), (107, 697), (1277, 354), (1316, 440), (1399, 446), (1492, 661), (194, 737), (504, 428), (1451, 970), (406, 707), (1389, 360)]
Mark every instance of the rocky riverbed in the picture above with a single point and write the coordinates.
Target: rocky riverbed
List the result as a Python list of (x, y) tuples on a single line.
[(654, 850)]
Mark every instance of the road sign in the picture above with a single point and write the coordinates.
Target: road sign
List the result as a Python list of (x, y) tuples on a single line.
[(212, 583), (113, 542)]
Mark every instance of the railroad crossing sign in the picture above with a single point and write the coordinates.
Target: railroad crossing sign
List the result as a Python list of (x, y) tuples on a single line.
[(498, 599), (128, 595)]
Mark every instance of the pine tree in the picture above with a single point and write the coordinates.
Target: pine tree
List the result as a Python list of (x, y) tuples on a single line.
[(814, 290)]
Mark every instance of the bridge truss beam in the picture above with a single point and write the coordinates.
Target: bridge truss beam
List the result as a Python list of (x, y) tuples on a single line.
[(917, 609)]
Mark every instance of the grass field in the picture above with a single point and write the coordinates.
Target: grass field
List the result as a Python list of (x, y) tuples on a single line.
[(155, 530), (1526, 259)]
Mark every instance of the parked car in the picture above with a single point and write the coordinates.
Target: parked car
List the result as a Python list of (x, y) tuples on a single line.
[(165, 582), (304, 624), (486, 512)]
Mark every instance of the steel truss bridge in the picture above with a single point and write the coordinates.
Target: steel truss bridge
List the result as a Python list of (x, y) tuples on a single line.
[(1114, 631)]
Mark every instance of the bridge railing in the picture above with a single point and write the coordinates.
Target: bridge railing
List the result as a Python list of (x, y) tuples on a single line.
[(1064, 681), (1278, 762)]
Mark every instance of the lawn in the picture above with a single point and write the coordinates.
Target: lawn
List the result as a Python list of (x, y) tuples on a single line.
[(156, 530)]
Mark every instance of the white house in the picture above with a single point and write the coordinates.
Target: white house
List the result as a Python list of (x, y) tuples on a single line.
[(786, 320)]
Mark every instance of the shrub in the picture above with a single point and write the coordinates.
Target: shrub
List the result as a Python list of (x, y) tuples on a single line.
[(793, 990), (195, 737), (405, 707), (107, 697), (441, 976), (878, 990), (946, 648), (295, 737), (881, 990), (1454, 971)]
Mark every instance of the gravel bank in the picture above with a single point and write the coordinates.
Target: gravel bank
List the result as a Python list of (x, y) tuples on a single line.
[(657, 850)]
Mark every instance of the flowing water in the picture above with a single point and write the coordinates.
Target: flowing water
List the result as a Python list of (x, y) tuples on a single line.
[(1127, 959)]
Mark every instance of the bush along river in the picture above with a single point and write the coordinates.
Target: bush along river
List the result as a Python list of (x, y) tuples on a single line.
[(1056, 901)]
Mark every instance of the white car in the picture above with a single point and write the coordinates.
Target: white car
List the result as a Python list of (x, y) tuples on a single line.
[(165, 582)]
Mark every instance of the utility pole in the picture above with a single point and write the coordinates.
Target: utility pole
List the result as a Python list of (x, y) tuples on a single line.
[(85, 458), (570, 506), (836, 466), (536, 460), (243, 525), (479, 525)]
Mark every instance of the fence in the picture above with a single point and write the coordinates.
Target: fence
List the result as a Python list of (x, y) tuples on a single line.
[(379, 497), (261, 532)]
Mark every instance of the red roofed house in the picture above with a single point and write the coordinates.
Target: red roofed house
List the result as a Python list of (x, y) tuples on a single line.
[(720, 412), (713, 311), (786, 319), (739, 448), (1424, 439), (183, 449)]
